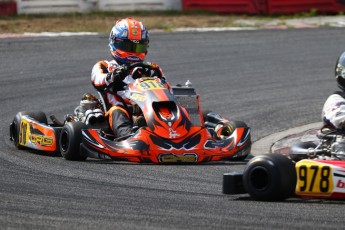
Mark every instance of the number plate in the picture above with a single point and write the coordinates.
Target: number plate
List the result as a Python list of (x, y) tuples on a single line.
[(151, 85), (314, 178)]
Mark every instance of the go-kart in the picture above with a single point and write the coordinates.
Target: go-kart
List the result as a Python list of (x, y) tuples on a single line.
[(312, 169), (169, 128)]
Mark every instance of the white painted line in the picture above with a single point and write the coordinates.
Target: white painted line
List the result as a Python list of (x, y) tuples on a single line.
[(211, 29), (51, 34)]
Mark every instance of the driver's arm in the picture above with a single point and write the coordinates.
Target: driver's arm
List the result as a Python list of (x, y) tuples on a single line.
[(333, 112), (99, 75)]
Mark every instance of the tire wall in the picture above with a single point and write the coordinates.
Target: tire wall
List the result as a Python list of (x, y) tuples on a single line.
[(8, 8), (300, 6), (265, 6)]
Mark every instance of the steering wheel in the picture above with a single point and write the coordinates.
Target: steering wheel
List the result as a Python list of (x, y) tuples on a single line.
[(140, 69)]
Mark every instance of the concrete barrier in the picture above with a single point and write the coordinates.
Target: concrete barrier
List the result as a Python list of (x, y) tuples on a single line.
[(300, 6), (135, 5), (72, 6), (226, 6), (54, 6)]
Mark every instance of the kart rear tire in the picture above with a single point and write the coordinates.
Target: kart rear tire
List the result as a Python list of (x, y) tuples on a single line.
[(204, 114), (39, 116), (270, 177), (238, 124), (70, 140)]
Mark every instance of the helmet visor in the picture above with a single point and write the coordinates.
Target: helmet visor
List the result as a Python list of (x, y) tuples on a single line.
[(131, 47), (341, 81)]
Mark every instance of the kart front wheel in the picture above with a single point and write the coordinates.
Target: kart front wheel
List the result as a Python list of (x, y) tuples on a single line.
[(70, 140), (270, 177), (16, 132)]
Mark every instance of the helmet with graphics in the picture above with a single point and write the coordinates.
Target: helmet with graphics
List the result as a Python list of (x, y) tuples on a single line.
[(340, 71), (128, 41)]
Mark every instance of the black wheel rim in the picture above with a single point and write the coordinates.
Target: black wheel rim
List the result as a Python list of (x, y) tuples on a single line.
[(64, 141), (259, 178)]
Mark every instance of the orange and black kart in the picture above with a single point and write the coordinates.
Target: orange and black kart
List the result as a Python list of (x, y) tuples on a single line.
[(172, 129)]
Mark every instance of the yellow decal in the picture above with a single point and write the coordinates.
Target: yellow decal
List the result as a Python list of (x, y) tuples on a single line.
[(26, 136), (150, 85), (41, 140), (24, 132), (137, 97), (172, 158), (314, 178)]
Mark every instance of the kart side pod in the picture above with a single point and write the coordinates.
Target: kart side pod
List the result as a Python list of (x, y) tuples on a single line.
[(270, 177)]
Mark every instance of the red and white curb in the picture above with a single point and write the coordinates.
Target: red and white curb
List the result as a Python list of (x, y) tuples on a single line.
[(264, 145)]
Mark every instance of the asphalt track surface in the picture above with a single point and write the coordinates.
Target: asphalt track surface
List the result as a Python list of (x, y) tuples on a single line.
[(271, 79)]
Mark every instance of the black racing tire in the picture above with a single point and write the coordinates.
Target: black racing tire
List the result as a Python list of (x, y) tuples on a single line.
[(238, 124), (39, 116), (204, 114), (70, 140), (241, 124), (270, 177), (234, 123)]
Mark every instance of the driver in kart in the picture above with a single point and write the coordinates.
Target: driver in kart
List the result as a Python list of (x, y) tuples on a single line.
[(128, 42), (333, 112)]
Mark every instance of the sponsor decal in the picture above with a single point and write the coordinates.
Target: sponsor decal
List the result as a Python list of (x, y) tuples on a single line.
[(124, 34), (24, 132), (340, 184), (25, 136), (133, 58), (137, 97), (177, 158), (135, 31), (173, 133), (41, 140)]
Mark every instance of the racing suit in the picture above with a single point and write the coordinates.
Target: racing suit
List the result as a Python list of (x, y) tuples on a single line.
[(117, 104), (333, 112)]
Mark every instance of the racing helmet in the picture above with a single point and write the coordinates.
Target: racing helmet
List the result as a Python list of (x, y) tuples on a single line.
[(128, 41), (340, 71)]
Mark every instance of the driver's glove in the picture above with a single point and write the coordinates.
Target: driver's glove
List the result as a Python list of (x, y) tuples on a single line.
[(139, 72), (223, 131), (156, 70), (118, 74)]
